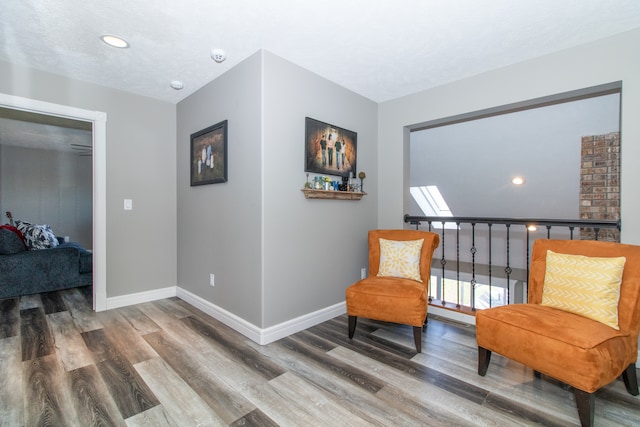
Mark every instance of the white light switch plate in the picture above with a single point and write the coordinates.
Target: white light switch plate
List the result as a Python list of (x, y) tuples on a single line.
[(128, 204)]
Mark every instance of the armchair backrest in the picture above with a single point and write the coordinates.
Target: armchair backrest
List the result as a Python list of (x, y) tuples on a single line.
[(431, 241), (629, 304)]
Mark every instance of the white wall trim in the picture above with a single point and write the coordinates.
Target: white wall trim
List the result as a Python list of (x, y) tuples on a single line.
[(99, 120), (140, 297), (254, 333), (452, 315)]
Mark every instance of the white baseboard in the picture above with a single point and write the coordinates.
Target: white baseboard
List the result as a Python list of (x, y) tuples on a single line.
[(254, 333), (452, 315), (140, 297)]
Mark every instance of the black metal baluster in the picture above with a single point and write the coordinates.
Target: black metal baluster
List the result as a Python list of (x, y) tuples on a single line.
[(507, 269), (473, 266), (490, 225), (548, 231), (597, 230), (571, 232)]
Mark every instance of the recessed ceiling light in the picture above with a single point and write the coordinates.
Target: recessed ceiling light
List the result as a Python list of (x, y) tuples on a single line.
[(532, 228), (115, 41), (177, 84), (517, 180)]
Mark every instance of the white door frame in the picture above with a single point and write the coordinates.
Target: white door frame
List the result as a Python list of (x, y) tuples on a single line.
[(99, 121)]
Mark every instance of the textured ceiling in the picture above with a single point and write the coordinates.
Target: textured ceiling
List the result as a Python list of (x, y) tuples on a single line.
[(380, 49)]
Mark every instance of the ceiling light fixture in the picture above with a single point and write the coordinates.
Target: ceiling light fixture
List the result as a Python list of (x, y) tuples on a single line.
[(115, 41), (218, 55), (532, 228), (177, 84), (517, 180)]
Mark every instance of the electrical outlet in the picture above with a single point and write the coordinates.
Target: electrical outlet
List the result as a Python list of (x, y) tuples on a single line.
[(363, 273), (212, 279)]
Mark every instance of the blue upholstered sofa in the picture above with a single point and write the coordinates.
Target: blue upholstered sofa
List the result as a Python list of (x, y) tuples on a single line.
[(24, 272)]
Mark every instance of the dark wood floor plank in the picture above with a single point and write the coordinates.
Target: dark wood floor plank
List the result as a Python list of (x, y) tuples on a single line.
[(9, 317), (93, 404), (236, 349), (52, 302), (35, 336), (131, 394)]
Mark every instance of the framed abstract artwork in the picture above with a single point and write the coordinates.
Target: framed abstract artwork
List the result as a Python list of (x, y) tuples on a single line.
[(209, 155)]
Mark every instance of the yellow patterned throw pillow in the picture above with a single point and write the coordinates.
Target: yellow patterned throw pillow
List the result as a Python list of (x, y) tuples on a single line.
[(400, 258), (588, 286)]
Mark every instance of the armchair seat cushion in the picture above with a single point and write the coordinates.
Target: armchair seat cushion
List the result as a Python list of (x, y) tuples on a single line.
[(390, 299), (571, 348)]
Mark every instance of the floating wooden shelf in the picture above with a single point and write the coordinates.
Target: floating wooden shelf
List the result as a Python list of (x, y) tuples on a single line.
[(310, 193)]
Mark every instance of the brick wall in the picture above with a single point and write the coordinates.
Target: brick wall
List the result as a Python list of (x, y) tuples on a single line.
[(600, 183)]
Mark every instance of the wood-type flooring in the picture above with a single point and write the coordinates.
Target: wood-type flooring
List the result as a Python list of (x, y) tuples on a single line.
[(165, 363)]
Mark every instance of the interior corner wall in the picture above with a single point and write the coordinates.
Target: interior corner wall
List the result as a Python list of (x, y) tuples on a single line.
[(219, 225), (140, 146), (312, 249), (605, 61)]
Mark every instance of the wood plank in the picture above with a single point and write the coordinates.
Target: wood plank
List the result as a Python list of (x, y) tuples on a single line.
[(52, 302), (35, 336), (175, 395), (11, 410), (71, 349), (235, 348), (9, 317), (125, 338), (201, 374), (138, 320), (154, 417), (131, 394), (46, 399), (30, 301), (82, 313), (128, 390), (90, 397), (255, 418)]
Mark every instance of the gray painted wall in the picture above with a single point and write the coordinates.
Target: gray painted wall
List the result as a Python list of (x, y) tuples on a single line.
[(473, 162), (275, 255), (605, 61), (141, 244), (220, 225), (313, 249), (48, 187)]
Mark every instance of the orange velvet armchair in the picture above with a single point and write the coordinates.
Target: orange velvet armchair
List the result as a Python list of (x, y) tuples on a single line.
[(391, 298), (583, 353)]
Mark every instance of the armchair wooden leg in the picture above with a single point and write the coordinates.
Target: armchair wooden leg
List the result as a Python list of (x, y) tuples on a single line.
[(417, 338), (424, 325), (352, 325), (630, 379), (484, 357), (586, 406), (537, 374)]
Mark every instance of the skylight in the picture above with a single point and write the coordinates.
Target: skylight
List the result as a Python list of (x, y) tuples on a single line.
[(432, 203)]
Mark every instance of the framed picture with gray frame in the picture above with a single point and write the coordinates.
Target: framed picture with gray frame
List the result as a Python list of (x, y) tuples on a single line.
[(209, 155)]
